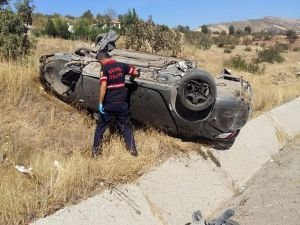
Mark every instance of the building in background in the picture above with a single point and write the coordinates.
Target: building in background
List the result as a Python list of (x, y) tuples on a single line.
[(112, 24)]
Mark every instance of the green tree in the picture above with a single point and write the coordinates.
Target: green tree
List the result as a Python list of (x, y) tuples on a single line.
[(204, 29), (14, 41), (25, 9), (102, 19), (70, 17), (88, 16), (248, 30), (291, 34), (134, 14), (127, 20), (111, 13), (231, 30)]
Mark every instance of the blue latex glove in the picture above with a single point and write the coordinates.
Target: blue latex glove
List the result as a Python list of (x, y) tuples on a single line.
[(101, 109)]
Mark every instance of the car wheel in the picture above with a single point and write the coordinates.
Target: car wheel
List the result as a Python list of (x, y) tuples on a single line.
[(110, 46), (99, 37), (197, 90)]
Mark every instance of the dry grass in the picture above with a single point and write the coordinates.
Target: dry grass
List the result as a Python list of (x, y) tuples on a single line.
[(36, 129)]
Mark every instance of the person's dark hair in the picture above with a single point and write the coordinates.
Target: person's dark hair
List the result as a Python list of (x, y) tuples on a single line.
[(101, 55)]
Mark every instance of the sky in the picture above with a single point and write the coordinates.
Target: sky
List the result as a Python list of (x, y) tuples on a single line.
[(192, 13)]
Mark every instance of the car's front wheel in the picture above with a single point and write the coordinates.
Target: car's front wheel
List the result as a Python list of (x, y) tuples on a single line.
[(197, 90)]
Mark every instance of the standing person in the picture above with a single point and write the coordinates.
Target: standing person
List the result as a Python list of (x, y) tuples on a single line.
[(113, 101)]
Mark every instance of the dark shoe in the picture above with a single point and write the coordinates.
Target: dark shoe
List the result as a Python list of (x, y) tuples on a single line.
[(96, 152), (134, 153)]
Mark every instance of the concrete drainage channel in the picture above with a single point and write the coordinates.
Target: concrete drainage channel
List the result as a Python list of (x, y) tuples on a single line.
[(171, 193)]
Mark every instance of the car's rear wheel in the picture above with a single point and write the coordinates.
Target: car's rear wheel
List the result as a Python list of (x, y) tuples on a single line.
[(110, 46), (197, 90), (99, 38)]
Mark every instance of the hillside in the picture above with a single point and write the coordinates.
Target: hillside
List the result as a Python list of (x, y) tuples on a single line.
[(269, 23)]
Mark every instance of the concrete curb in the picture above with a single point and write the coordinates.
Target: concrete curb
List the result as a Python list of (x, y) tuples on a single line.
[(169, 194)]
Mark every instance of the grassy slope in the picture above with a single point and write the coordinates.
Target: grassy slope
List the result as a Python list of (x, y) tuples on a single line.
[(36, 129)]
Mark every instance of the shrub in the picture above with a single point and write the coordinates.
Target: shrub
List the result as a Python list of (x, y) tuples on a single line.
[(50, 28), (227, 50), (226, 40), (151, 36), (238, 63), (296, 49), (281, 47), (263, 36), (198, 39), (62, 29), (81, 29), (291, 34), (248, 49), (239, 32), (247, 41), (183, 29), (94, 31), (263, 44), (205, 42), (36, 32), (270, 55), (165, 39)]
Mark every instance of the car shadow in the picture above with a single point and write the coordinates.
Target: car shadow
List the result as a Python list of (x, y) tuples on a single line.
[(215, 144)]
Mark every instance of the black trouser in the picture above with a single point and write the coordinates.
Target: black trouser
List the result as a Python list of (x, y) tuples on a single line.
[(120, 111)]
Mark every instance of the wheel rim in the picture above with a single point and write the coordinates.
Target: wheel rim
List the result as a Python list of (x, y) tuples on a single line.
[(196, 93)]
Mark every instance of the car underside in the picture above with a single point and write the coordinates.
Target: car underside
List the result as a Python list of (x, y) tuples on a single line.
[(171, 94)]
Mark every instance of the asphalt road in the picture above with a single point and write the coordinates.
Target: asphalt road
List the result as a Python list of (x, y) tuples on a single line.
[(272, 196)]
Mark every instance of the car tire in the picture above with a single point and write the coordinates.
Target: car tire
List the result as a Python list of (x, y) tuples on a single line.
[(110, 46), (99, 37), (197, 90)]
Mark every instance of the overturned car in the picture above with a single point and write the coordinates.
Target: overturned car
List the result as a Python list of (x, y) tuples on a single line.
[(171, 93)]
